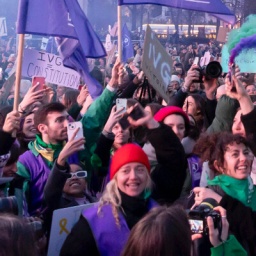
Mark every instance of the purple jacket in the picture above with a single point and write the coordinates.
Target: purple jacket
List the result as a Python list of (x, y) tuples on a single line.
[(39, 172), (110, 238)]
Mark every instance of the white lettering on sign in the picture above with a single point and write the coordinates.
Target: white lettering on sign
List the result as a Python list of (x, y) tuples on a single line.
[(156, 64)]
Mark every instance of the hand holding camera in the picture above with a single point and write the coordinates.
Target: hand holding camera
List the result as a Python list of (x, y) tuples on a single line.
[(192, 75), (215, 237), (233, 84)]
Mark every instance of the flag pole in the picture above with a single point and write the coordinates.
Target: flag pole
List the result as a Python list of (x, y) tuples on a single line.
[(18, 73), (119, 22), (18, 77)]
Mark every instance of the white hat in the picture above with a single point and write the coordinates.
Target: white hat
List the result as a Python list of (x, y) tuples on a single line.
[(175, 78)]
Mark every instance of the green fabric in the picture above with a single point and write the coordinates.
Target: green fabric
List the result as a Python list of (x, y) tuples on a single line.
[(242, 190), (93, 122), (41, 143), (96, 161), (231, 247), (95, 118), (49, 152), (224, 115)]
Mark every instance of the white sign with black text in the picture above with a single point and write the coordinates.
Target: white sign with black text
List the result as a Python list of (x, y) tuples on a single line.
[(50, 66)]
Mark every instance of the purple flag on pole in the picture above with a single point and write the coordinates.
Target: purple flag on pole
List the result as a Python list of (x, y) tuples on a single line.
[(63, 18), (127, 47), (209, 6)]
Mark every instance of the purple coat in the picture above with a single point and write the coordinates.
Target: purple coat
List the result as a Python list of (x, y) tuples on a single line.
[(110, 238)]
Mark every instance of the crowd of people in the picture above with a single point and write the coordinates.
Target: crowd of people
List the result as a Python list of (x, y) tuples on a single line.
[(145, 169)]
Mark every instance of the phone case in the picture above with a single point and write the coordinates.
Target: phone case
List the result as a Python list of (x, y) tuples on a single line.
[(121, 103), (72, 128), (40, 80)]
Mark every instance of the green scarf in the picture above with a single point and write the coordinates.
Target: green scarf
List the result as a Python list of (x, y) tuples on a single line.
[(242, 190), (49, 151)]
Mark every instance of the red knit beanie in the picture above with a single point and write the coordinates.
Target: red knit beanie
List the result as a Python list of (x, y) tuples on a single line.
[(166, 111), (128, 153)]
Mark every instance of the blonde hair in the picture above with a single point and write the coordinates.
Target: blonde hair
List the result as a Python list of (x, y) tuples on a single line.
[(112, 196)]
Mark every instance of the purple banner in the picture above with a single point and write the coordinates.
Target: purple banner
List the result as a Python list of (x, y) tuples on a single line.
[(209, 6)]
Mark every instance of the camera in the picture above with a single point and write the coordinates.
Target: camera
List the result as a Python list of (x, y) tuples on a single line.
[(212, 70), (198, 217)]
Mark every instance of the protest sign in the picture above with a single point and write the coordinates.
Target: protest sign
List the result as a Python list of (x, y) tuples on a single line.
[(63, 221), (246, 60), (50, 66), (222, 34), (156, 64), (3, 27)]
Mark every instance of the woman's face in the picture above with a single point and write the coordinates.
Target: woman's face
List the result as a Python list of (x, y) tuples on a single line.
[(177, 123), (28, 128), (238, 127), (132, 178), (75, 186), (189, 106), (121, 136), (238, 161)]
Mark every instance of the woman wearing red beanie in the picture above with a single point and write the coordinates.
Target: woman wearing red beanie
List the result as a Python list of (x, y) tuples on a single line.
[(104, 228)]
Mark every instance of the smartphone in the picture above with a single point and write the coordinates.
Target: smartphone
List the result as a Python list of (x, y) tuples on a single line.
[(196, 61), (121, 104), (232, 73), (38, 81), (137, 113), (72, 127)]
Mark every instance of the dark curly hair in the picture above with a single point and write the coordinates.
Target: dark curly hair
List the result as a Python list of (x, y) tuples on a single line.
[(211, 147)]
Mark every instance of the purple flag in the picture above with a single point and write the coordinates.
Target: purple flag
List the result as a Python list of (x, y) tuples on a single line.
[(209, 6), (63, 18), (127, 47), (72, 56)]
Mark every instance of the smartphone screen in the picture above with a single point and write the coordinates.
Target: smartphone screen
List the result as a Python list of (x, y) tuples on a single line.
[(38, 81)]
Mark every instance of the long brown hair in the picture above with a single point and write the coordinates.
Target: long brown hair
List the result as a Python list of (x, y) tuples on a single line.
[(16, 237), (162, 232)]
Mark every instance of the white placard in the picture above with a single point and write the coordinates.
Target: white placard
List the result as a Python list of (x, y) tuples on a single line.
[(3, 27), (50, 66), (63, 221)]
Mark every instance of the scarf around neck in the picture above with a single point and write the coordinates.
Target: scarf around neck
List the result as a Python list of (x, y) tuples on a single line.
[(242, 190), (48, 151)]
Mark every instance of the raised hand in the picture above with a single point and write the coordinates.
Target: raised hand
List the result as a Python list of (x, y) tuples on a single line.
[(114, 117), (72, 146), (12, 122), (33, 95)]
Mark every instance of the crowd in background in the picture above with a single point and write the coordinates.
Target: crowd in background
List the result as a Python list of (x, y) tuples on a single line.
[(139, 167)]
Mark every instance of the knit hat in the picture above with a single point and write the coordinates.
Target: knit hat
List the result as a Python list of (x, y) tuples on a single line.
[(175, 78), (128, 153), (169, 110)]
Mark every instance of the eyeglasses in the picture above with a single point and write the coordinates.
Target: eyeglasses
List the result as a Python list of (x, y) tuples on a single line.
[(79, 174)]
